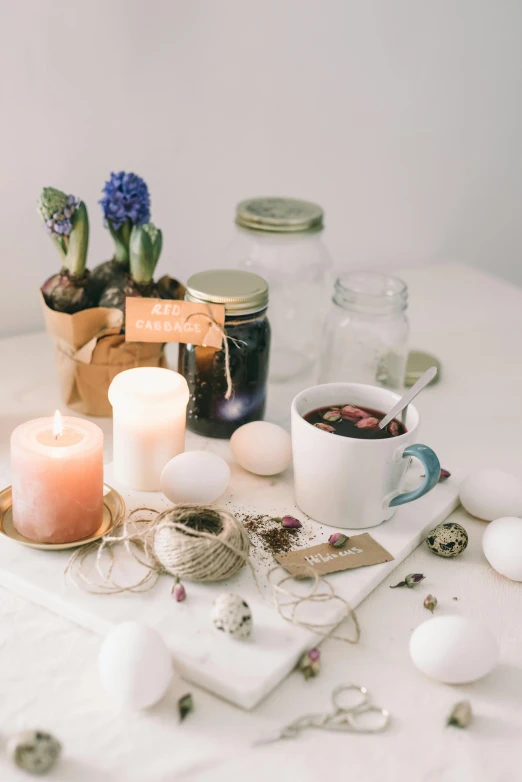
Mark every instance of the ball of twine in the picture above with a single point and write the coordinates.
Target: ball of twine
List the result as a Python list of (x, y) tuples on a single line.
[(199, 543), (194, 542)]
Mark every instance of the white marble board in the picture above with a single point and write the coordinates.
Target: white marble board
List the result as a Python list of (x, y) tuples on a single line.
[(242, 672)]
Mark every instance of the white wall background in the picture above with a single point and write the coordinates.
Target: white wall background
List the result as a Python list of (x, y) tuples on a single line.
[(401, 117)]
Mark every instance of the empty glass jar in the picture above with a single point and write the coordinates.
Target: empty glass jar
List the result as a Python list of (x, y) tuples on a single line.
[(365, 337), (280, 239)]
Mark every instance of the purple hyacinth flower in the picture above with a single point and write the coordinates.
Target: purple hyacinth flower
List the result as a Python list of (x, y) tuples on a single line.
[(125, 198)]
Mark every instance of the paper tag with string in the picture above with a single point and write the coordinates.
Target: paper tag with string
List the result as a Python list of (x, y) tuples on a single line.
[(357, 551), (163, 320)]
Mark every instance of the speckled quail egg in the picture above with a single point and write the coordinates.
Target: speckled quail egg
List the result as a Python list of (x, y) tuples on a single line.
[(232, 615), (34, 751), (447, 539)]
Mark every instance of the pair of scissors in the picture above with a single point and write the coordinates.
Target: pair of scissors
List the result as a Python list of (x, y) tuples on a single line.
[(352, 711)]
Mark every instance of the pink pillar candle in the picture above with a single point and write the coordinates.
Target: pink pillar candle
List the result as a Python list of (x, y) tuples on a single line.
[(57, 479)]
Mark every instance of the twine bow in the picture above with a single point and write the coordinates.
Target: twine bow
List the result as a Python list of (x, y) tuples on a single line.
[(224, 337)]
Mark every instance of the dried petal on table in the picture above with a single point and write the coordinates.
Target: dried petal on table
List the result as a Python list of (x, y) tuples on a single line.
[(337, 540), (460, 715), (309, 664), (430, 602), (289, 522), (411, 580), (185, 706), (444, 474), (178, 592)]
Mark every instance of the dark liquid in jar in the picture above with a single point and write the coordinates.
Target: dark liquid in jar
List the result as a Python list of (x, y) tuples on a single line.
[(354, 421), (208, 412)]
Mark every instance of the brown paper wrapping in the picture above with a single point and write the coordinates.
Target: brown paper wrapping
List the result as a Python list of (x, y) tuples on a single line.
[(90, 352)]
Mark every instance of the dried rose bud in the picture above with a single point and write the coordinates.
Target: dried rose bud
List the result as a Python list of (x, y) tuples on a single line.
[(309, 664), (337, 540), (353, 414), (444, 474), (367, 423), (430, 603), (325, 427), (185, 706), (460, 715), (290, 523), (178, 592), (411, 580), (393, 428), (332, 415)]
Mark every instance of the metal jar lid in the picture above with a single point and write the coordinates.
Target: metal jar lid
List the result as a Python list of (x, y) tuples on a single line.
[(242, 293), (279, 215)]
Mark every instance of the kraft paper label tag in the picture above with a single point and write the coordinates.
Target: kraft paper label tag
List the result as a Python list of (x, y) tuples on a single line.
[(358, 551), (162, 320)]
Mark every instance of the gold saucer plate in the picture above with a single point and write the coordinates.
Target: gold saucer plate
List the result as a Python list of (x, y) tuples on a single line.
[(113, 513)]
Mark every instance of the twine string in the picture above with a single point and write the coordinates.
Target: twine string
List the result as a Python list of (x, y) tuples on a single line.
[(224, 341), (167, 544), (288, 602)]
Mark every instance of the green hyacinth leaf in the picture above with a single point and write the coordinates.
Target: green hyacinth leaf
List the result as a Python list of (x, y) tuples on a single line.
[(121, 241), (76, 259), (142, 261)]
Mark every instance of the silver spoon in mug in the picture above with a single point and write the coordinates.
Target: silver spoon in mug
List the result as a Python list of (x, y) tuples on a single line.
[(403, 403)]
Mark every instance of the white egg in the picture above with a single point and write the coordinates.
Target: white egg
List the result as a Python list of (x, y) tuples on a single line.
[(453, 649), (490, 494), (502, 544), (134, 665), (262, 448), (195, 476)]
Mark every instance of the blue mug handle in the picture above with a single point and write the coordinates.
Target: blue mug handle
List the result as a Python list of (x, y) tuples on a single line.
[(432, 466)]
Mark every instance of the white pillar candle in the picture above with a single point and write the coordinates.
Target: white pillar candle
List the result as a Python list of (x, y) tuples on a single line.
[(57, 467), (149, 411)]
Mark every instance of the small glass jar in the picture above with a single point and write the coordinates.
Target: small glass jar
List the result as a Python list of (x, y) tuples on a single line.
[(280, 239), (365, 337), (245, 298)]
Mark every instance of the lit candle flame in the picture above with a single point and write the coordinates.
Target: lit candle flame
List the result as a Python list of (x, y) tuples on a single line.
[(57, 425)]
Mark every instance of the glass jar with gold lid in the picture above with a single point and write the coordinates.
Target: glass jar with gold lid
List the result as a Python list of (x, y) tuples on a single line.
[(228, 386), (281, 240)]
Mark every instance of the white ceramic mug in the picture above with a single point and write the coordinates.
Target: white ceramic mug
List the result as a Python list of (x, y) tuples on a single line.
[(349, 482)]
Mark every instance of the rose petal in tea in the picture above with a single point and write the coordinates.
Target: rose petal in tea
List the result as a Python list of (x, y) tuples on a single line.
[(393, 428), (332, 415), (367, 423), (353, 414), (325, 427)]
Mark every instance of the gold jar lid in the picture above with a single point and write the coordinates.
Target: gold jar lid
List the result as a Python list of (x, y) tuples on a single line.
[(279, 215), (241, 293)]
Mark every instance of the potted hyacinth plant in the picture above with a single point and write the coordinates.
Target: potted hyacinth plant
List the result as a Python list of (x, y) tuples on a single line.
[(85, 311), (125, 204), (67, 222)]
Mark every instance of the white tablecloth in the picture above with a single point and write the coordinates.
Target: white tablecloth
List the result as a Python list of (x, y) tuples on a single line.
[(471, 418)]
